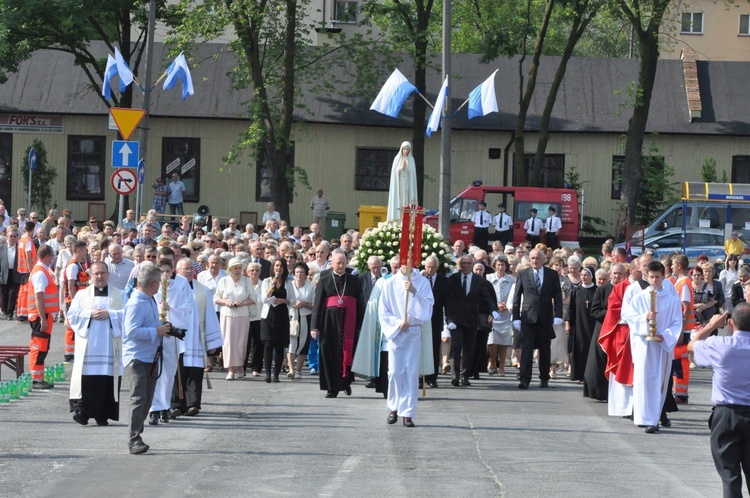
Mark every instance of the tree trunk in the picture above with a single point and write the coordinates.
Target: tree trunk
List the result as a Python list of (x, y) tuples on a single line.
[(525, 102)]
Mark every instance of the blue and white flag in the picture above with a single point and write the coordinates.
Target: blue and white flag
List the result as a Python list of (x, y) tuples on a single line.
[(179, 70), (437, 111), (393, 95), (482, 100), (116, 66)]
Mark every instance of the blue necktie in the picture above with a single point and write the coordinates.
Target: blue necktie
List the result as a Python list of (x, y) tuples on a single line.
[(537, 282)]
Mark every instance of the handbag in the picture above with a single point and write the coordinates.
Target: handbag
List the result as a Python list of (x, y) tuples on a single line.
[(294, 324)]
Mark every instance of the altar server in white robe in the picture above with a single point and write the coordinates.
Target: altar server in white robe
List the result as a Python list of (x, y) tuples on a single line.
[(202, 338), (178, 301), (401, 324), (652, 360), (96, 316)]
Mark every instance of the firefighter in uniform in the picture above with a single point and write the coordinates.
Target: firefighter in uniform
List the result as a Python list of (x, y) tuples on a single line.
[(42, 304), (26, 255), (75, 278)]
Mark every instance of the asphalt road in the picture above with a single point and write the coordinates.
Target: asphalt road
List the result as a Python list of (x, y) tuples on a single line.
[(286, 439)]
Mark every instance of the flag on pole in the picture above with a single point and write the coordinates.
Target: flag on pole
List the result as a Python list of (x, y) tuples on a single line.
[(437, 111), (393, 95), (116, 66), (482, 100), (179, 70)]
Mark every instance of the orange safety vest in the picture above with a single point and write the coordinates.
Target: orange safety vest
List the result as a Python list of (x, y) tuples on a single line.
[(51, 296), (678, 285), (83, 279), (23, 264)]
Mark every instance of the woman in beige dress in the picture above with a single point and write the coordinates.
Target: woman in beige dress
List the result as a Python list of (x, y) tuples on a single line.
[(236, 298)]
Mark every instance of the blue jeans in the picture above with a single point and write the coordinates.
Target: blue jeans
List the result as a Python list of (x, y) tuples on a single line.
[(176, 208), (312, 354)]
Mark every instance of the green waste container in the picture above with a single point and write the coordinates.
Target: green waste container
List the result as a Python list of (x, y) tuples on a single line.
[(335, 221)]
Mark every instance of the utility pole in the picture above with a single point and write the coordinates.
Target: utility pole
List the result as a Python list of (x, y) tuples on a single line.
[(445, 137), (146, 96)]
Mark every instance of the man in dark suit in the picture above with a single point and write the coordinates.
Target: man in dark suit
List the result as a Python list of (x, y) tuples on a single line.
[(367, 279), (439, 284), (466, 292), (542, 308), (10, 279), (256, 253)]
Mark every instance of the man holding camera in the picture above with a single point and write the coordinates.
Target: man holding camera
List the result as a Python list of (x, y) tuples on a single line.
[(141, 348)]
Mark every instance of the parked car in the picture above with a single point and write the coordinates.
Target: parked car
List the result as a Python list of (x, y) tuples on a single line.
[(699, 241)]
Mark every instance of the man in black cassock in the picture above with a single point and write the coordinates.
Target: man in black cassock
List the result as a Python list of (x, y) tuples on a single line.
[(336, 319)]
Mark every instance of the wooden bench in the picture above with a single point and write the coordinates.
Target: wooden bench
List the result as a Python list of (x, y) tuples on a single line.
[(13, 358)]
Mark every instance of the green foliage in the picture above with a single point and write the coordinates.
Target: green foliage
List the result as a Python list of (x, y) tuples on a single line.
[(708, 172), (592, 225), (656, 190), (42, 180)]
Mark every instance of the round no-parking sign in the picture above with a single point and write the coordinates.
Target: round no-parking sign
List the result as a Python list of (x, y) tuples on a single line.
[(123, 181)]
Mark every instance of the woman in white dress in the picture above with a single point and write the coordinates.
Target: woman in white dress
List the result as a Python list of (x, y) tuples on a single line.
[(403, 187), (502, 330), (301, 293)]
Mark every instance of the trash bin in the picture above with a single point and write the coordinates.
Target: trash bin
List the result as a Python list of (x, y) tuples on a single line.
[(370, 216), (335, 221)]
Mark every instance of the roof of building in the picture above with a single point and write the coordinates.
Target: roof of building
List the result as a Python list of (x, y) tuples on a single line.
[(592, 98)]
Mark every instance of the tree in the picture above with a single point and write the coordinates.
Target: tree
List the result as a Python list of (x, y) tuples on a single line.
[(646, 17), (708, 172), (43, 177), (656, 190)]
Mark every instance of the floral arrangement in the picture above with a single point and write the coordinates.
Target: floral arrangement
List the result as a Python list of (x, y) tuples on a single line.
[(384, 240)]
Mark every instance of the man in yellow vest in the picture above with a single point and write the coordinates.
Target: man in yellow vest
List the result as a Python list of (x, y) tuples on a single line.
[(681, 365), (26, 255), (42, 303)]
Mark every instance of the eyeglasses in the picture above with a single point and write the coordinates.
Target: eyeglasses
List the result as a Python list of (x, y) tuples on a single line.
[(150, 256)]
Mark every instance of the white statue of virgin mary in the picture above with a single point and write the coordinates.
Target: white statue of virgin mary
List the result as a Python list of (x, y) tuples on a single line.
[(403, 188)]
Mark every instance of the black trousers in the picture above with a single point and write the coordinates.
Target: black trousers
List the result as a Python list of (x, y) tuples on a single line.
[(273, 352), (730, 446), (552, 241), (480, 237), (255, 348), (534, 239), (10, 294), (503, 237), (533, 338), (192, 388), (480, 353), (462, 351)]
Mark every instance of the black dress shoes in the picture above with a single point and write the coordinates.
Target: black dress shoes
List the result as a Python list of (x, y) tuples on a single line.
[(544, 384), (175, 412), (465, 382), (652, 429), (392, 418), (138, 448), (348, 390), (523, 385), (433, 384), (370, 384), (80, 419), (475, 376), (193, 411), (455, 383), (408, 422), (153, 418), (664, 420), (164, 416), (102, 422), (331, 394)]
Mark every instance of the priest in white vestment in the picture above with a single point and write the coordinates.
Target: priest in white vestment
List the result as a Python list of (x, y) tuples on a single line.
[(652, 360), (401, 324), (203, 337), (96, 316), (178, 299)]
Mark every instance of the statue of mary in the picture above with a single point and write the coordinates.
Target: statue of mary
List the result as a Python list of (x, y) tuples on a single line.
[(403, 188)]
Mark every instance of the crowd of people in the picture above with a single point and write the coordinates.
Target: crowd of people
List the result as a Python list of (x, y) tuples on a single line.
[(170, 301)]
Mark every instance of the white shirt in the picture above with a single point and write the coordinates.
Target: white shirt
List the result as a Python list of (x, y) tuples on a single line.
[(468, 281), (481, 219), (553, 224), (209, 281), (237, 233), (175, 192), (273, 215), (533, 225), (119, 272), (39, 279), (12, 255), (539, 272), (502, 222)]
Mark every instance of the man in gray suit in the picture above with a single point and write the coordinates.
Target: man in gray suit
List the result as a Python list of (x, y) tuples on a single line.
[(539, 287)]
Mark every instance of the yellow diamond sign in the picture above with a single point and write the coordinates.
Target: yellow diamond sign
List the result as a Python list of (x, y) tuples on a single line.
[(127, 120)]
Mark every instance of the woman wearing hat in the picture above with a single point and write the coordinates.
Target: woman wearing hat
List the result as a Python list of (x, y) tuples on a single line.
[(236, 298), (582, 322)]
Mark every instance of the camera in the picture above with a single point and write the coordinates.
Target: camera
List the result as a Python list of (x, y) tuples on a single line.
[(177, 332)]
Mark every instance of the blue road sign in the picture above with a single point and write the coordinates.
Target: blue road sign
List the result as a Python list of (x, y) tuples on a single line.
[(32, 159), (125, 154), (141, 171)]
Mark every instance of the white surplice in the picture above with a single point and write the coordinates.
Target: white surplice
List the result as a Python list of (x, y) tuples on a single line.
[(98, 342), (203, 329), (179, 297), (652, 360), (404, 346)]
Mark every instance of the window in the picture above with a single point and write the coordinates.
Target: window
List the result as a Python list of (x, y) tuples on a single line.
[(373, 169), (744, 24), (182, 156), (616, 189), (86, 165), (692, 23), (6, 167), (263, 175), (552, 173), (346, 12), (740, 169)]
